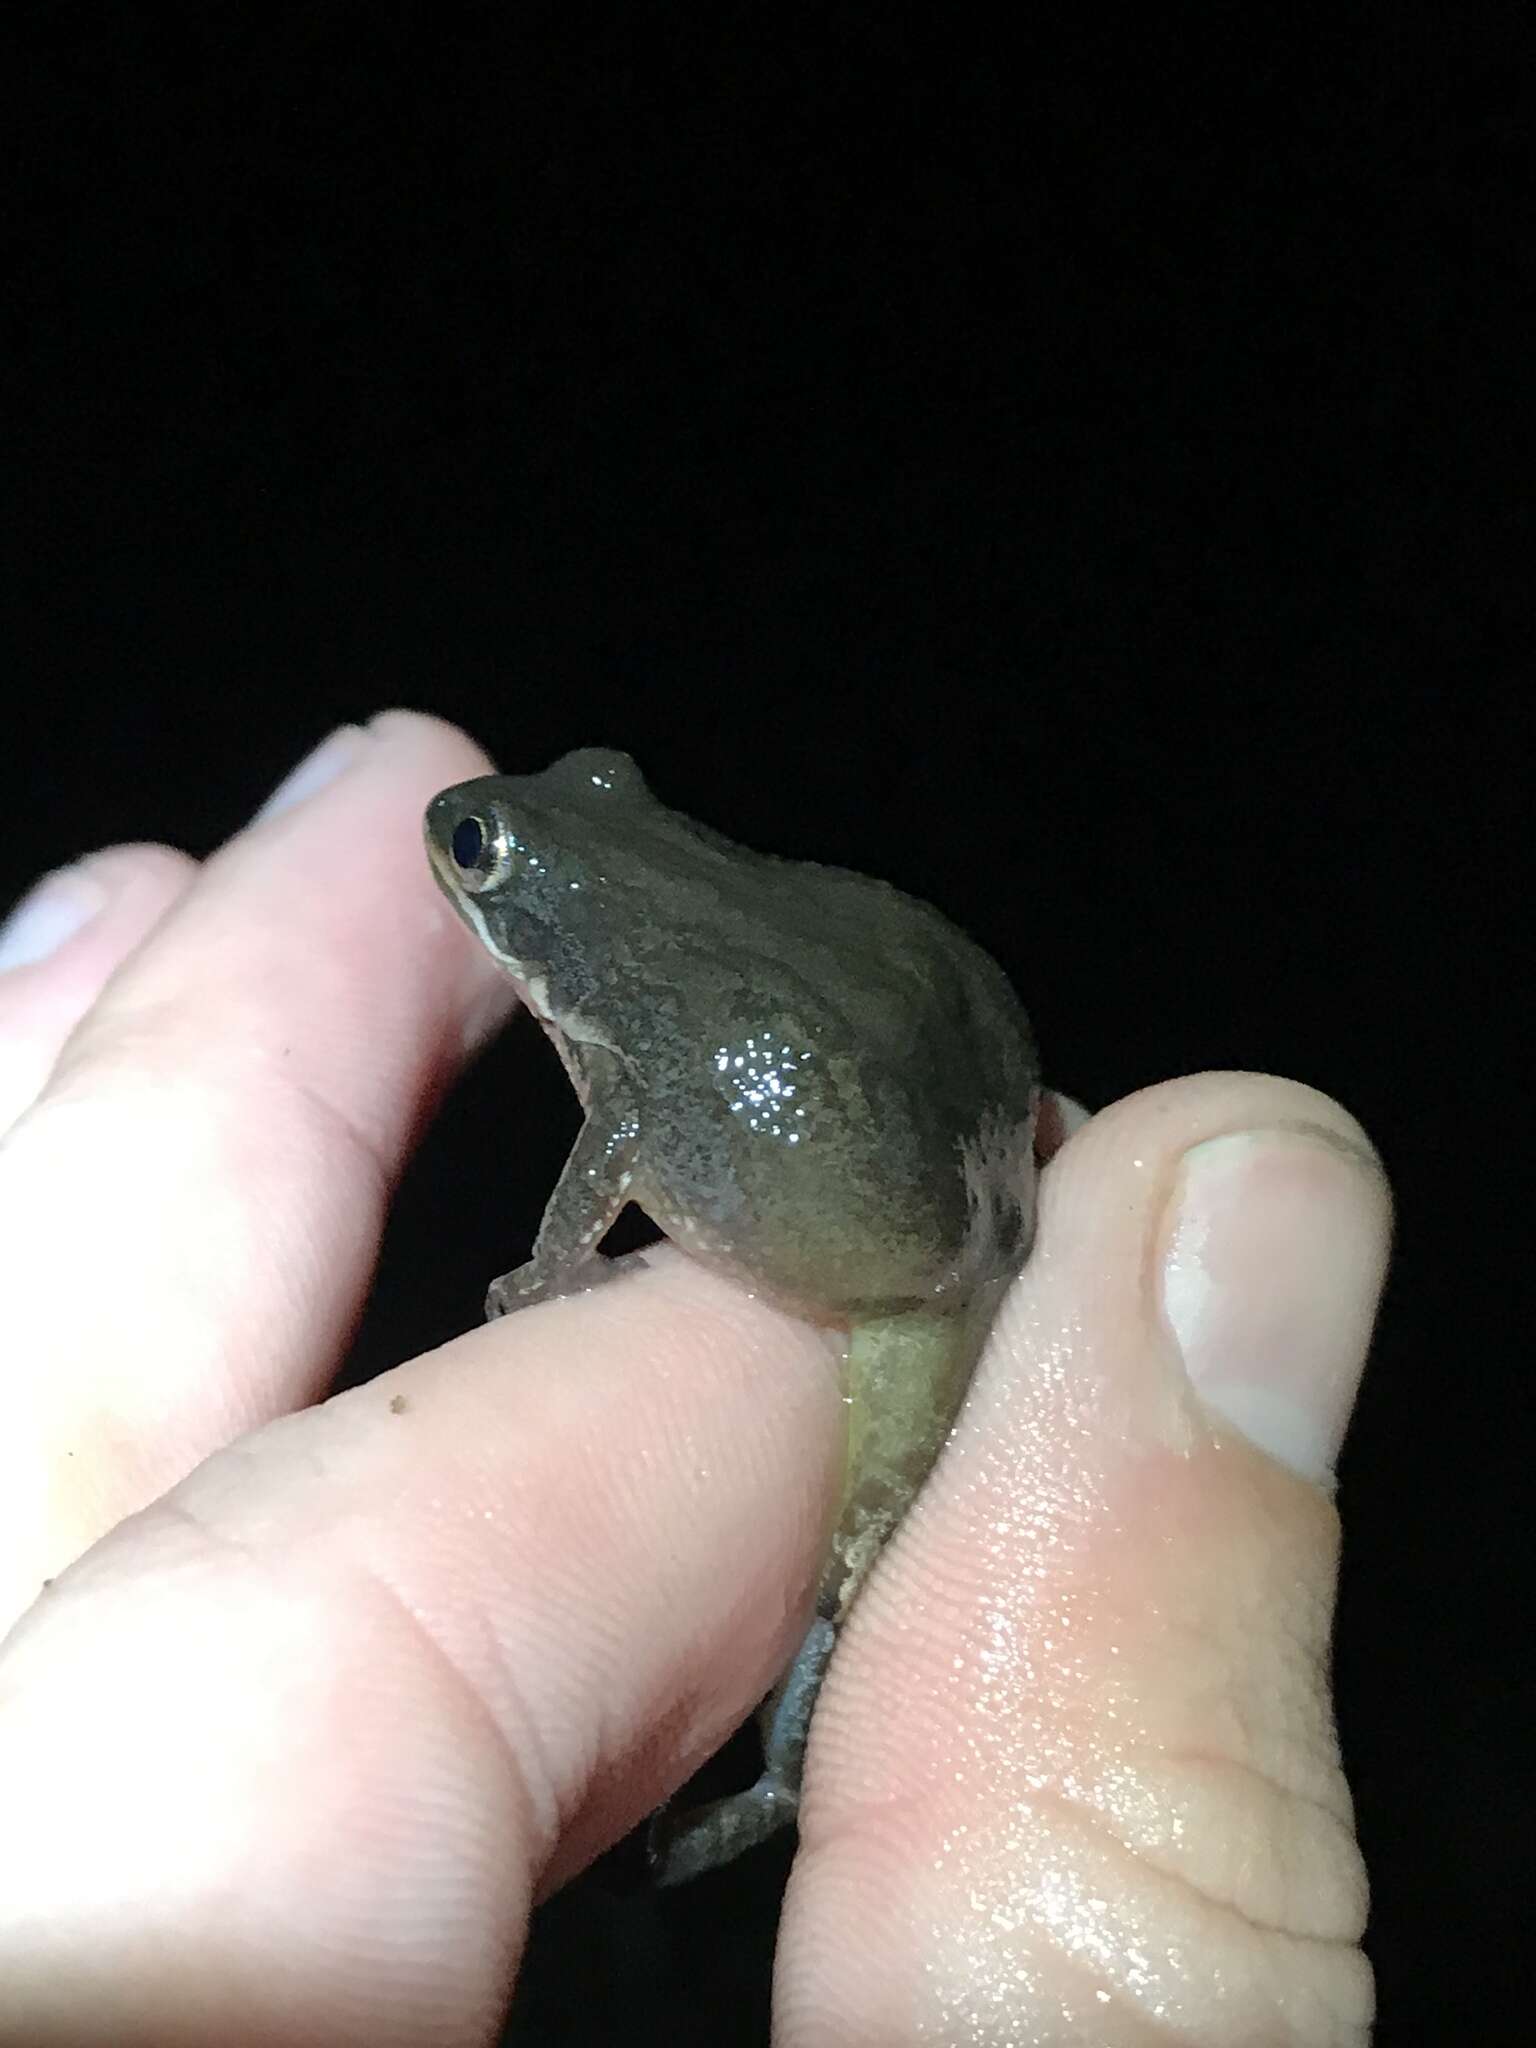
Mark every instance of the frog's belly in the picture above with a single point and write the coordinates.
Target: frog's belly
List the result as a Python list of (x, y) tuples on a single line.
[(839, 1264)]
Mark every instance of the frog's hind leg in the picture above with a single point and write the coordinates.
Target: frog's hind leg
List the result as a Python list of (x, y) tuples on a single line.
[(906, 1378), (704, 1838)]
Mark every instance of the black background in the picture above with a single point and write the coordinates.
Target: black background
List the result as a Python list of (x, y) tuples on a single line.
[(1072, 477)]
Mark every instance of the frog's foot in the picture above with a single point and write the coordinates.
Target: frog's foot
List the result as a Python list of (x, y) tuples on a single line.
[(708, 1836), (528, 1285), (718, 1833)]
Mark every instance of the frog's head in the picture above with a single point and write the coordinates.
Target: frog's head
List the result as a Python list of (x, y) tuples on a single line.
[(530, 861)]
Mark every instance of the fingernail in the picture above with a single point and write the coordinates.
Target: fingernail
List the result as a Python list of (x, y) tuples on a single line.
[(336, 751), (52, 911), (1271, 1277)]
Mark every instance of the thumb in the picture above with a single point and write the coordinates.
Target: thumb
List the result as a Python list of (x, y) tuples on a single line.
[(1075, 1766)]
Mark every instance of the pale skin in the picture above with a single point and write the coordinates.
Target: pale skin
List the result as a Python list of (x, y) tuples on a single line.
[(323, 1698)]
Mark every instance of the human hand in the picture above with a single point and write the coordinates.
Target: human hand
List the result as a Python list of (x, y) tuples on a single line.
[(324, 1698)]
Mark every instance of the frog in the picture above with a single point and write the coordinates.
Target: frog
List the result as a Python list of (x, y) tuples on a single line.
[(811, 1082)]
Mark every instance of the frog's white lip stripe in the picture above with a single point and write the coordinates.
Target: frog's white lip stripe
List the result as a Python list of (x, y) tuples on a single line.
[(533, 988), (469, 910)]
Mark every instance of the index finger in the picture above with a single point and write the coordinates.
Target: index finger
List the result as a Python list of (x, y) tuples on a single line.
[(191, 1208)]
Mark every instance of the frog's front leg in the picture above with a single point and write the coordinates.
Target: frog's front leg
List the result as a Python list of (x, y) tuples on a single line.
[(593, 1187)]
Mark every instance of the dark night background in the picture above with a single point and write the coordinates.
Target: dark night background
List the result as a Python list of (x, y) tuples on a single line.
[(1072, 478)]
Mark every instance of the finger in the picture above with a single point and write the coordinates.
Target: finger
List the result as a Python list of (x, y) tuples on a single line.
[(191, 1208), (1073, 1774), (59, 945), (1061, 1116), (289, 1755)]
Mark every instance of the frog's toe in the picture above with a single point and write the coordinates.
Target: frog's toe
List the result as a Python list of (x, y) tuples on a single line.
[(531, 1284), (616, 1264), (691, 1843)]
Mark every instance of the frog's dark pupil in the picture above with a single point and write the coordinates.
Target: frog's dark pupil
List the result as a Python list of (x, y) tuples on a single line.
[(468, 841)]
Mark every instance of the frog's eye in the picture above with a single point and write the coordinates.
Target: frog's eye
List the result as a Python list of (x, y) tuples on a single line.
[(479, 848), (469, 843)]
